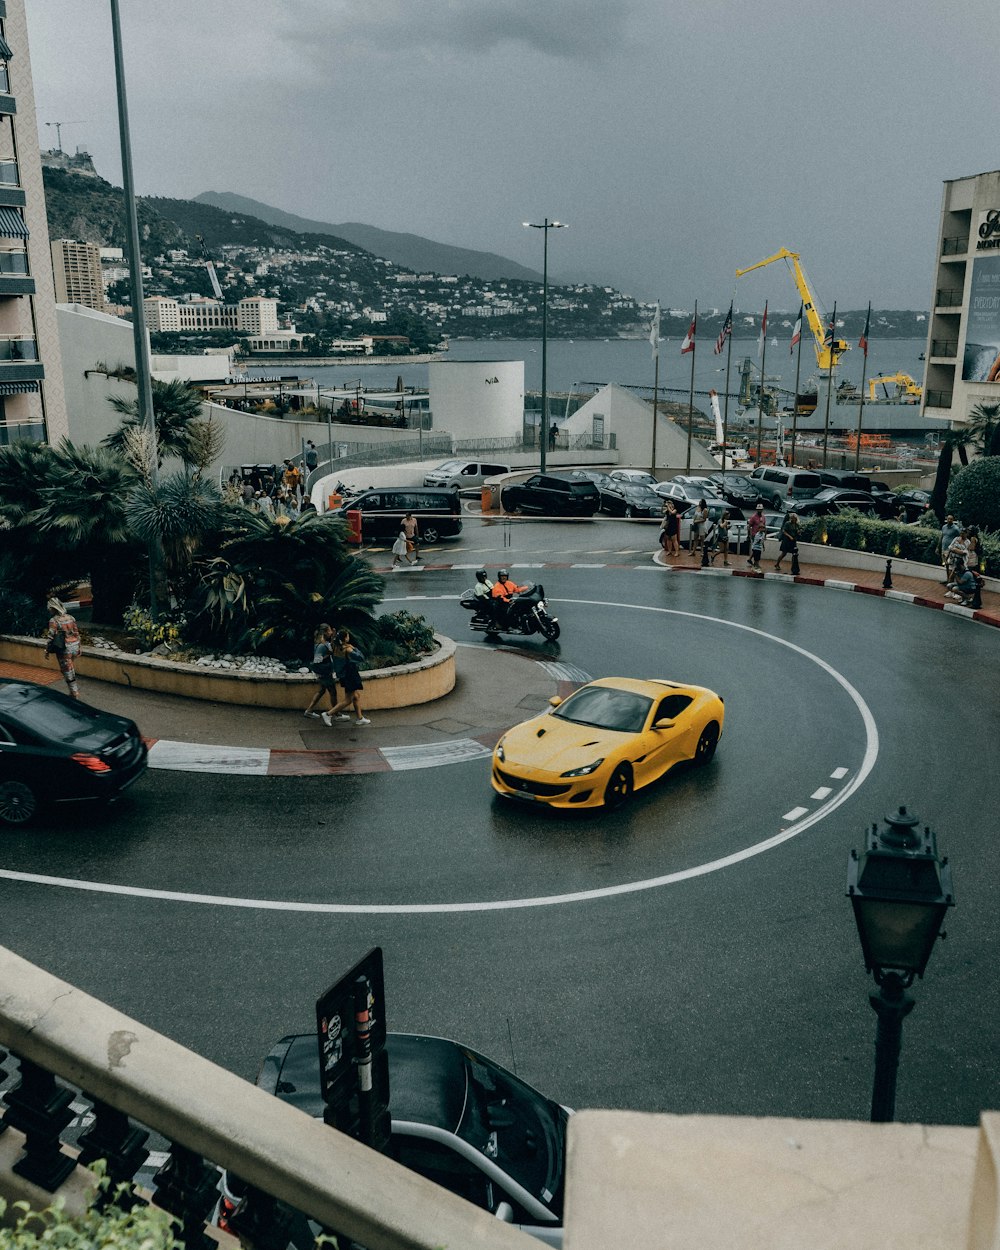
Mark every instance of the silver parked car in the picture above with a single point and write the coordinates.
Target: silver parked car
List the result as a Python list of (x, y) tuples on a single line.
[(464, 475), (738, 531)]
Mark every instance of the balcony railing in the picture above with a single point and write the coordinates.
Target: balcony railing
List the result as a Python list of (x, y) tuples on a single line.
[(15, 348), (14, 263), (944, 347), (937, 399), (954, 247), (9, 175), (949, 297), (206, 1113)]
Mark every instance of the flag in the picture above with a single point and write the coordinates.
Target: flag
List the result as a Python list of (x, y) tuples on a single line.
[(725, 332), (763, 331), (688, 344), (797, 332), (654, 332), (828, 337), (863, 341)]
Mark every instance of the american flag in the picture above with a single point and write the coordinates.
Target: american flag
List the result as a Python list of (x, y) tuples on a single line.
[(725, 332)]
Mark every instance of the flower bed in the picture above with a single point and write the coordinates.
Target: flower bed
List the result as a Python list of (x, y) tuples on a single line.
[(244, 683)]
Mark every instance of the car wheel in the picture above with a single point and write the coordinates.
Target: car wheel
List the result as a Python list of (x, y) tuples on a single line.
[(18, 802), (619, 788), (776, 502), (707, 743), (430, 535), (629, 514)]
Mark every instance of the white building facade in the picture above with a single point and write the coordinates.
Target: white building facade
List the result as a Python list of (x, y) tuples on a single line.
[(477, 399)]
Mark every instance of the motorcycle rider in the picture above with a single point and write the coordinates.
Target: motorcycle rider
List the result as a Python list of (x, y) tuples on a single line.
[(483, 592), (504, 590)]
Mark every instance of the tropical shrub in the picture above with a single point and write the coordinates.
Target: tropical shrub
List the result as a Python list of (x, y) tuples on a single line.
[(974, 494), (399, 638), (141, 1228), (20, 612), (167, 631), (857, 532)]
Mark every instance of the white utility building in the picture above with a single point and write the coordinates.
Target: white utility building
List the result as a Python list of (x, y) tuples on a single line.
[(477, 399)]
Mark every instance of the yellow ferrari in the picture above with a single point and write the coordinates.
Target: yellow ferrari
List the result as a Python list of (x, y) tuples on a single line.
[(605, 740)]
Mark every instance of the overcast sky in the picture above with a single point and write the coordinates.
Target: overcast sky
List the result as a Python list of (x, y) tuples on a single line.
[(679, 141)]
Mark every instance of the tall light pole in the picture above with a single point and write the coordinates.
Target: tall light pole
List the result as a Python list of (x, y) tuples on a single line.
[(142, 375), (545, 226)]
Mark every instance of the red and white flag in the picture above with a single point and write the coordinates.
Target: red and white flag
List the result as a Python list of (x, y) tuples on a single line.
[(797, 332), (763, 331), (688, 344)]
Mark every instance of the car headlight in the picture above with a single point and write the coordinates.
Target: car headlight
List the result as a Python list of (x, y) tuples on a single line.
[(498, 752), (584, 771)]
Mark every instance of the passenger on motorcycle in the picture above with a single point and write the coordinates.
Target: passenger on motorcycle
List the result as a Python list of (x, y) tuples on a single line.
[(483, 592), (504, 590)]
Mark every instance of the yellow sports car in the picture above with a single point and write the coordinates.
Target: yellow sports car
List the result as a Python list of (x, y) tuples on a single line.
[(605, 740)]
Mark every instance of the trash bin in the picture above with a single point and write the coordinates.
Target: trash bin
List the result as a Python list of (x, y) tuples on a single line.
[(486, 499), (334, 501)]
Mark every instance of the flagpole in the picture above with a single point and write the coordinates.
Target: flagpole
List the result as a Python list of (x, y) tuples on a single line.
[(829, 385), (760, 393), (694, 341), (795, 401), (654, 338), (725, 409), (861, 406)]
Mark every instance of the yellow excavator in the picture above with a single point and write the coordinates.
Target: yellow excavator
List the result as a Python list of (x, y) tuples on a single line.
[(829, 348), (907, 388)]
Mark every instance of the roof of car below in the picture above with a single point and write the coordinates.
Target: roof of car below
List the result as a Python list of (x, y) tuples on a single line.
[(427, 1077)]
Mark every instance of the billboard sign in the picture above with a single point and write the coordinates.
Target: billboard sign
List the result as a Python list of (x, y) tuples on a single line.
[(981, 362)]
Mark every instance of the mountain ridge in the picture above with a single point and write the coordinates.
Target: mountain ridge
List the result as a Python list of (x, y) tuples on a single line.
[(411, 251)]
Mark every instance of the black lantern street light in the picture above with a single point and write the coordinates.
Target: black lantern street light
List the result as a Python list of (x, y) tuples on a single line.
[(900, 891), (543, 430)]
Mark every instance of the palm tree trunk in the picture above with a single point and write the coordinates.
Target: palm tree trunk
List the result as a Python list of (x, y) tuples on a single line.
[(940, 492)]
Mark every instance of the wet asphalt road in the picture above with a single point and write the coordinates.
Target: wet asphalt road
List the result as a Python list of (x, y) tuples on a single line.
[(739, 990)]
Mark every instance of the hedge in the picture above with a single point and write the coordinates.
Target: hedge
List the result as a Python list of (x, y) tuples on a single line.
[(855, 531)]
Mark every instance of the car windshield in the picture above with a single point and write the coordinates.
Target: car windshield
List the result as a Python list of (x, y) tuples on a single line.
[(514, 1125), (449, 466), (606, 708)]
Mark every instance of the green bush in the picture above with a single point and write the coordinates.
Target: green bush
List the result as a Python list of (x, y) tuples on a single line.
[(144, 1228), (974, 494), (399, 638), (857, 532)]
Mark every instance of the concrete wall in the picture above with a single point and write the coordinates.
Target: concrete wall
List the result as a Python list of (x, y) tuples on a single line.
[(87, 337), (473, 399), (630, 420)]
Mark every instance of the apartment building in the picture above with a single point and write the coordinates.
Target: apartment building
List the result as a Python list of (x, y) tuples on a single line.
[(253, 316), (32, 401), (76, 268), (963, 339)]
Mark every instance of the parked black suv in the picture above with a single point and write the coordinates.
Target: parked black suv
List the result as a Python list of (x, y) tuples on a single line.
[(438, 512), (550, 494)]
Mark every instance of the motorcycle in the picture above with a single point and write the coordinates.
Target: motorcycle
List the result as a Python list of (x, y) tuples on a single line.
[(527, 613)]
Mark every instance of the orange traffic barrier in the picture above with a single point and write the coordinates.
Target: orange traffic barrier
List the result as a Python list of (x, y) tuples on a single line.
[(486, 499), (334, 501), (354, 526)]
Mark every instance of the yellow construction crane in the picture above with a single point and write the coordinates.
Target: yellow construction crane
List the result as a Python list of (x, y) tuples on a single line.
[(829, 348), (906, 386)]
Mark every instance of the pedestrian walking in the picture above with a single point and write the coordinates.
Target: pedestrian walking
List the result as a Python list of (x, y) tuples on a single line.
[(699, 520), (64, 643), (789, 540), (671, 530), (757, 523), (312, 455), (399, 548), (412, 532), (323, 670), (722, 531), (347, 660), (949, 532), (757, 548)]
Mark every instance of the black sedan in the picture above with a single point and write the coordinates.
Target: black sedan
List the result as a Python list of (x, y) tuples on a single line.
[(914, 502), (552, 494), (458, 1119), (736, 488), (830, 501), (54, 748), (630, 499)]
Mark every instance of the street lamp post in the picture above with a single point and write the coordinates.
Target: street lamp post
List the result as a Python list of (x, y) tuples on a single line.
[(545, 226), (900, 891)]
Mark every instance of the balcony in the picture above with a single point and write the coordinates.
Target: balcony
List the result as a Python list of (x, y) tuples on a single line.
[(954, 247), (948, 297), (11, 195), (7, 102), (946, 348), (653, 1182), (19, 358), (937, 399), (14, 276)]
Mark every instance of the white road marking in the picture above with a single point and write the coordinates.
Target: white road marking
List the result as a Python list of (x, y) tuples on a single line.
[(433, 754), (795, 813), (839, 773), (586, 566), (822, 793), (549, 900), (203, 757)]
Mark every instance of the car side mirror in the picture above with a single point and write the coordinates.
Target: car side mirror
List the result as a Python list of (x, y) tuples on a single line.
[(555, 701), (665, 723), (504, 1212)]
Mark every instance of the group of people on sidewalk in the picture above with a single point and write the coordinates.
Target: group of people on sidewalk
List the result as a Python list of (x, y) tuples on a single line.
[(336, 660), (710, 535), (961, 558)]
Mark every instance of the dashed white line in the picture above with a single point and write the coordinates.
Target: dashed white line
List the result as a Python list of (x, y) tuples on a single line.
[(838, 774), (795, 813), (821, 793)]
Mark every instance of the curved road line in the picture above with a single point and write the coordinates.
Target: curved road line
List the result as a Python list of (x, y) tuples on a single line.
[(547, 900)]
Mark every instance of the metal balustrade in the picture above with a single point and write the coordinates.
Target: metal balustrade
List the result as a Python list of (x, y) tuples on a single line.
[(944, 347), (64, 1041), (9, 176), (957, 246), (14, 264), (15, 347), (948, 297), (937, 399)]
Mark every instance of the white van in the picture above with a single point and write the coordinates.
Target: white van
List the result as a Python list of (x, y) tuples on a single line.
[(462, 475)]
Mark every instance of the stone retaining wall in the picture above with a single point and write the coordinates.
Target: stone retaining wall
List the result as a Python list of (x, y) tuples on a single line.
[(403, 686)]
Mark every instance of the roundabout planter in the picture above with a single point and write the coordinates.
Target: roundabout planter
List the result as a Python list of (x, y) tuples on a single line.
[(405, 685)]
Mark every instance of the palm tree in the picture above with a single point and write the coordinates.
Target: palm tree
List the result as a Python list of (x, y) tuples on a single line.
[(175, 515), (175, 407), (24, 469), (983, 428), (82, 511)]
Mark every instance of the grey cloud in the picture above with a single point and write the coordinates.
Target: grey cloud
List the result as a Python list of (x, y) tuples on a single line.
[(564, 29)]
